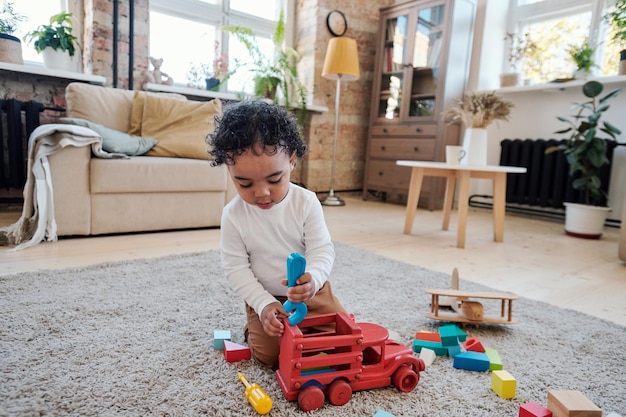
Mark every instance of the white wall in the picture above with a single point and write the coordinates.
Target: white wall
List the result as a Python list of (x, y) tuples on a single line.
[(536, 109)]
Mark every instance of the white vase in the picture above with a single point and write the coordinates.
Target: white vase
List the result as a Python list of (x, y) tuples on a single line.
[(60, 60), (585, 221), (475, 146)]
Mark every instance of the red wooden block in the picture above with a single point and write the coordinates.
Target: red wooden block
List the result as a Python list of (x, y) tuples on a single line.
[(429, 336), (473, 345), (235, 353), (532, 409)]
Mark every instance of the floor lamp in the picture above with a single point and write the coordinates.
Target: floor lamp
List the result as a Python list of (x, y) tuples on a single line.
[(341, 63)]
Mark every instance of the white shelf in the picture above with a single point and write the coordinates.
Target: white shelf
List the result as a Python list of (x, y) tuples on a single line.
[(562, 86), (197, 92), (52, 73)]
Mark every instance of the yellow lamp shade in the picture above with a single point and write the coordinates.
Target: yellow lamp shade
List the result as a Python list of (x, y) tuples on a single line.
[(342, 59)]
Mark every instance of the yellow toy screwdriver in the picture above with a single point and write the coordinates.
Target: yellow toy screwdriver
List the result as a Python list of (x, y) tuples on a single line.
[(261, 402)]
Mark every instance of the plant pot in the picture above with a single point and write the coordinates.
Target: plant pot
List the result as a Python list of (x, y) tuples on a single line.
[(475, 147), (10, 49), (509, 79), (212, 84), (60, 60), (266, 87), (585, 221)]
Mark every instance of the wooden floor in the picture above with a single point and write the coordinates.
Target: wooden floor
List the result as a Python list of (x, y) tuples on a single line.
[(536, 260)]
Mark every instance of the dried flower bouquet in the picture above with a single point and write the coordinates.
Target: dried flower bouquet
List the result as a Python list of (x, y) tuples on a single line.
[(478, 110)]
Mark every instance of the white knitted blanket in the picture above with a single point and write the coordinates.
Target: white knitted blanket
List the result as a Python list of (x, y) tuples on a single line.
[(37, 220)]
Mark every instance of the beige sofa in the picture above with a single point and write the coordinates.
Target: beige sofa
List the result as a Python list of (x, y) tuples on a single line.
[(94, 196)]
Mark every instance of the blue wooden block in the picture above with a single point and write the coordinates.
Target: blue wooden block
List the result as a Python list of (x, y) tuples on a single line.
[(450, 334), (218, 338), (471, 361), (382, 413), (435, 346), (460, 334), (453, 350), (495, 363)]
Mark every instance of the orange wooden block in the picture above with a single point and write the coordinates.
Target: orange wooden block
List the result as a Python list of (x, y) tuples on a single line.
[(235, 352), (570, 403), (429, 336)]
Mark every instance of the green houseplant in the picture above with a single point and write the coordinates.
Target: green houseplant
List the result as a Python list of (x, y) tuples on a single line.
[(582, 56), (585, 150), (10, 46), (270, 73), (55, 36)]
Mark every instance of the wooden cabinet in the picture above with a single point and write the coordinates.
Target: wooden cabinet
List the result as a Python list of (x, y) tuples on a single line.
[(422, 62)]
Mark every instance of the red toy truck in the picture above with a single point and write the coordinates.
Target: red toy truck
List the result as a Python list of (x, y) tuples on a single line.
[(352, 357)]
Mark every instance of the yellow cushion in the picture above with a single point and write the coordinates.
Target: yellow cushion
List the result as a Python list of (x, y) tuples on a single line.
[(139, 101), (180, 126)]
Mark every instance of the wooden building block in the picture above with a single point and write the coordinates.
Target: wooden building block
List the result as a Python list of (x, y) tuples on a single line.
[(382, 413), (571, 403), (454, 350), (449, 335), (471, 361), (495, 363), (473, 344), (234, 352), (532, 409), (503, 384), (430, 336), (218, 338), (435, 346), (428, 356)]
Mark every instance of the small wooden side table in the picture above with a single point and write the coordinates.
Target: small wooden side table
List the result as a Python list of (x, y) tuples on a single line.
[(463, 173)]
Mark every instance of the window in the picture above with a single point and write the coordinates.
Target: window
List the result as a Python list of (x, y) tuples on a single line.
[(37, 13), (555, 26), (187, 46)]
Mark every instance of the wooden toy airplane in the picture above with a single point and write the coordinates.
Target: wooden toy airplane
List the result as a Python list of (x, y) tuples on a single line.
[(465, 308)]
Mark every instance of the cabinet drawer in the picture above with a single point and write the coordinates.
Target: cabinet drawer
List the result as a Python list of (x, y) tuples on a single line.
[(405, 130), (414, 149), (388, 174)]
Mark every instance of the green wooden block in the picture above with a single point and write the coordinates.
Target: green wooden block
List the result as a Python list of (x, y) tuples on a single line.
[(435, 346), (495, 363), (449, 335), (218, 338)]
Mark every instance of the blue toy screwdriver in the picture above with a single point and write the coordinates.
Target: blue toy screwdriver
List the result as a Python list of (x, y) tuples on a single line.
[(296, 265)]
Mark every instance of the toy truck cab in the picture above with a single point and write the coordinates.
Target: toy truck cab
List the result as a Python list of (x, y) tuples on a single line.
[(332, 356)]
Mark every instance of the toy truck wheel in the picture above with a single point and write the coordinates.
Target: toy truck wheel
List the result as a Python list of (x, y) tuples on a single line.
[(405, 378), (311, 398), (339, 392)]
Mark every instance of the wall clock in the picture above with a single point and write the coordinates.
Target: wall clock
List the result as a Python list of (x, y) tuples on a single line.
[(337, 23)]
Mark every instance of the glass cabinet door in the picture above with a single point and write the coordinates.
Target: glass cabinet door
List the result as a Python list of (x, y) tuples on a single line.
[(426, 58), (393, 65)]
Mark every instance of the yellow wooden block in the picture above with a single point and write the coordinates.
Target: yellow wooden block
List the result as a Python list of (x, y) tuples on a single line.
[(503, 383), (570, 403)]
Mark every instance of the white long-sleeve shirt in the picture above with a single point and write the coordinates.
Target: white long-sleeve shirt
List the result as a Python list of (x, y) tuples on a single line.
[(256, 243)]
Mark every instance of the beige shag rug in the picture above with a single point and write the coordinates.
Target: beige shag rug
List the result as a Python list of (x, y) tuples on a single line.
[(135, 339)]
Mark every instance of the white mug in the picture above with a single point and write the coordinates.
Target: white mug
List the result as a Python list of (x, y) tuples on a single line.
[(454, 154)]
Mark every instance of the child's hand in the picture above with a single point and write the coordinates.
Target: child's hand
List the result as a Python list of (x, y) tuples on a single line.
[(304, 291), (271, 318)]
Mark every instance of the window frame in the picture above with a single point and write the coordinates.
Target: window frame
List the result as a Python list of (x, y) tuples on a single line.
[(521, 15), (221, 15)]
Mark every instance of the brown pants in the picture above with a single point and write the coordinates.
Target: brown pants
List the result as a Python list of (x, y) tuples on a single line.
[(265, 348)]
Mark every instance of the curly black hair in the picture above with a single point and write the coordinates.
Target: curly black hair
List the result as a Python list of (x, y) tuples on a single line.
[(248, 123)]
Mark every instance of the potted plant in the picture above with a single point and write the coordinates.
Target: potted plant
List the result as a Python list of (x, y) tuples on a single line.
[(477, 111), (586, 153), (211, 76), (274, 72), (10, 46), (519, 47), (582, 56), (56, 42)]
